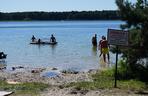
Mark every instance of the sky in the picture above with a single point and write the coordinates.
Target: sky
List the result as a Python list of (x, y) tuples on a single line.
[(56, 5)]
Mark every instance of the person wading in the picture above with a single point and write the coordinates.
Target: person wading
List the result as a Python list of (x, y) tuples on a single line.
[(103, 45), (94, 40)]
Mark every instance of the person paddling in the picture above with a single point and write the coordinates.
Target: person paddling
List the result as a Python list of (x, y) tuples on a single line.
[(52, 38), (33, 38)]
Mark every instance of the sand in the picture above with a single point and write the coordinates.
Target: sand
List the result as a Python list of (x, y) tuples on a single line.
[(21, 75)]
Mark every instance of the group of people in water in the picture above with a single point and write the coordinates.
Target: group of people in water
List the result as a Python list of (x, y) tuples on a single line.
[(52, 39), (103, 46)]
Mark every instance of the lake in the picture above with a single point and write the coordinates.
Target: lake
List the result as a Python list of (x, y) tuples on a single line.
[(73, 51)]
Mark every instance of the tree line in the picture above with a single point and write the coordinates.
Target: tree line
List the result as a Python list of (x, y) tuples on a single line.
[(72, 15)]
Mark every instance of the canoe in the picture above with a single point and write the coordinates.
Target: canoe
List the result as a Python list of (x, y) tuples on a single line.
[(5, 93), (49, 43)]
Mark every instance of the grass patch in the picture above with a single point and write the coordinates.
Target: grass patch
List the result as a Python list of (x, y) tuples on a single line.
[(132, 85), (23, 88), (105, 80)]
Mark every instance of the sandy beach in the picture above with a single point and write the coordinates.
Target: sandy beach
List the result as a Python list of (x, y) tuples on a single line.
[(21, 75)]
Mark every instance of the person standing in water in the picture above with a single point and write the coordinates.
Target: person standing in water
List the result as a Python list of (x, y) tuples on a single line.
[(94, 40), (39, 40), (99, 47), (103, 45), (33, 38), (52, 38)]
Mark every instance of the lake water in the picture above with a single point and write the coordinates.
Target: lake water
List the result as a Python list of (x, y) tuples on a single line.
[(73, 51)]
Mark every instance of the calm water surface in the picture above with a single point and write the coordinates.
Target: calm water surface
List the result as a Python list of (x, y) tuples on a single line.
[(73, 51)]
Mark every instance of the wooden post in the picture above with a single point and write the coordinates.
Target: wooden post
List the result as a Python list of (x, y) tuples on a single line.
[(116, 67)]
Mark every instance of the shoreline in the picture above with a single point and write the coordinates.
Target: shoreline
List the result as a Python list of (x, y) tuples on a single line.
[(29, 75), (23, 75), (51, 76)]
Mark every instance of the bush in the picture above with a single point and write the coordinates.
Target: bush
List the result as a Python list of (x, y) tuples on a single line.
[(137, 71)]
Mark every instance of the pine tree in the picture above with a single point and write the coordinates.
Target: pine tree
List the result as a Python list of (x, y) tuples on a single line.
[(136, 17)]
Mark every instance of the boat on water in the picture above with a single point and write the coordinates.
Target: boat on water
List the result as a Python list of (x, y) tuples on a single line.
[(47, 43), (2, 55)]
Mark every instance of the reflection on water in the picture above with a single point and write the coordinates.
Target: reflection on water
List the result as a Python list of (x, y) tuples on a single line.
[(103, 64), (39, 46), (3, 64), (53, 48), (94, 50), (3, 61)]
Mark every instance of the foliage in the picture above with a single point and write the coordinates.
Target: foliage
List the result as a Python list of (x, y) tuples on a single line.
[(122, 70), (136, 17), (73, 15), (105, 80), (132, 85)]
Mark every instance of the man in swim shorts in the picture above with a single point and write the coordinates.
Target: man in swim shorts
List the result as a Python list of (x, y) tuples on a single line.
[(103, 44)]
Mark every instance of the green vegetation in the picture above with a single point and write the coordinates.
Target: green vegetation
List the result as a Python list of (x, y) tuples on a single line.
[(24, 88), (73, 15), (136, 55), (105, 80)]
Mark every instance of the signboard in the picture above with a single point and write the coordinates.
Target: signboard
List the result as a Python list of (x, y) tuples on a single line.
[(117, 37)]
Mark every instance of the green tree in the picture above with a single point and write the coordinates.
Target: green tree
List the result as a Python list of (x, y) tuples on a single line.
[(136, 17), (73, 15)]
